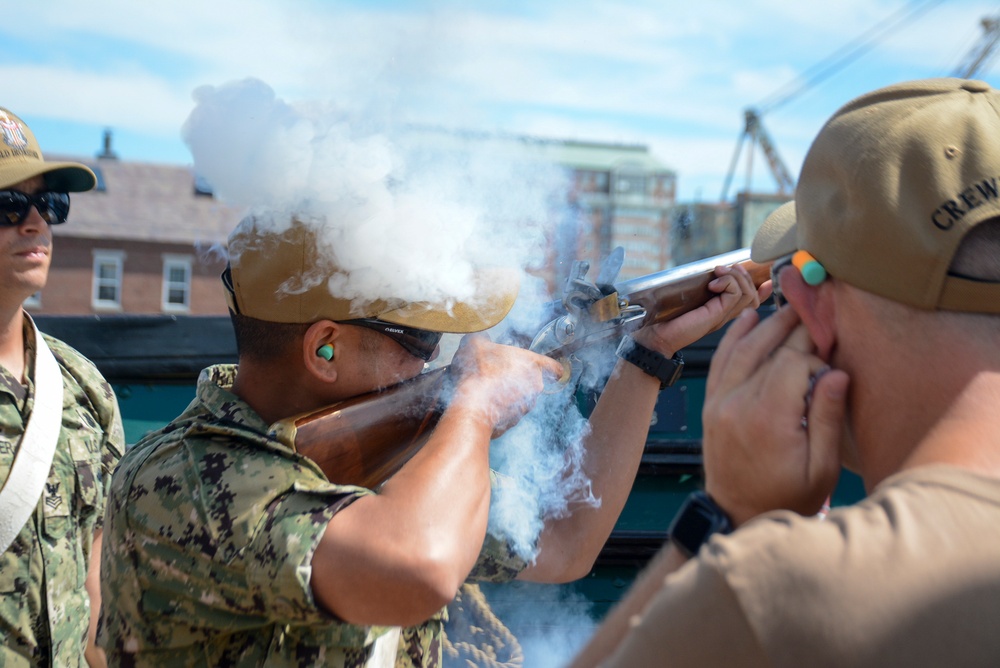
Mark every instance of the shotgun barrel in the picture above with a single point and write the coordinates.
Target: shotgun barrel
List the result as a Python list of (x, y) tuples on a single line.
[(673, 292)]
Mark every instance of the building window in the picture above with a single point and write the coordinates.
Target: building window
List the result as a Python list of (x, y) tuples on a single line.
[(202, 187), (177, 283), (107, 291), (101, 186), (632, 184), (34, 301)]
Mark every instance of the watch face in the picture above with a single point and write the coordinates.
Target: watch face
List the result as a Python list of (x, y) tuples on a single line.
[(696, 522), (692, 531)]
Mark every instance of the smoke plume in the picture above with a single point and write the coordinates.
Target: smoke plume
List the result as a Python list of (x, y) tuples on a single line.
[(405, 218), (410, 214)]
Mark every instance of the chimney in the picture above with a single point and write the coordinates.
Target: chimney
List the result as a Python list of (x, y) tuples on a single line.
[(107, 153)]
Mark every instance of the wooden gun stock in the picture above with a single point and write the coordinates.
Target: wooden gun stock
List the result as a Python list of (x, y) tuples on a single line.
[(365, 440)]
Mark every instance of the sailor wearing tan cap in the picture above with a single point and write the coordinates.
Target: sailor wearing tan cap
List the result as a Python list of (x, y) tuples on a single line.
[(226, 547), (60, 431), (887, 361)]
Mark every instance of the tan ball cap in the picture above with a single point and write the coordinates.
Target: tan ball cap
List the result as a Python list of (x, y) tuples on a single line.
[(281, 277), (891, 185), (21, 159)]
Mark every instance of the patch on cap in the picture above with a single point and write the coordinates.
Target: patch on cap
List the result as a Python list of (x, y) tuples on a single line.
[(21, 159), (282, 277)]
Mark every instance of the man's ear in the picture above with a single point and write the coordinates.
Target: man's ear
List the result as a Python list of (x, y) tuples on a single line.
[(815, 306), (319, 349)]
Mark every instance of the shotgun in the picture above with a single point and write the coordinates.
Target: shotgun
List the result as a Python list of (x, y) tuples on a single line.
[(365, 439)]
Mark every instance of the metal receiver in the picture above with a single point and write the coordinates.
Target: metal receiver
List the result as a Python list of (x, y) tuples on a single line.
[(604, 310)]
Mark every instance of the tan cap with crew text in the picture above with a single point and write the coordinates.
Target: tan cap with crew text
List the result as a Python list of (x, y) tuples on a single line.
[(889, 188)]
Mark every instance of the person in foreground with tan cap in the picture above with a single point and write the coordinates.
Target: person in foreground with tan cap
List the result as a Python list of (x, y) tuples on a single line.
[(60, 430), (887, 361), (225, 547)]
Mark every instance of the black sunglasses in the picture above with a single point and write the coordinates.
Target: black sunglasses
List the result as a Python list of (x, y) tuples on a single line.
[(418, 342), (53, 207)]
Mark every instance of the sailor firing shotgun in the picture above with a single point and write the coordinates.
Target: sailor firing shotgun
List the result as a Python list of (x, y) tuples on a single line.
[(393, 423)]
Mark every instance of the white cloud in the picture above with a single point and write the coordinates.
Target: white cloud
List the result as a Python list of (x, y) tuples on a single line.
[(132, 100), (668, 74)]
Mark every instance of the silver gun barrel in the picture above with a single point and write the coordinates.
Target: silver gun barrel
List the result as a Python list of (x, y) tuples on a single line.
[(673, 292)]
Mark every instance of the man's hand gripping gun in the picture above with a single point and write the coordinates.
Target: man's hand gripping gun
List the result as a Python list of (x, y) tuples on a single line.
[(365, 440)]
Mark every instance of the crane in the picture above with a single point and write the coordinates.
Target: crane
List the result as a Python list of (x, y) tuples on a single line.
[(981, 53), (754, 130), (753, 126)]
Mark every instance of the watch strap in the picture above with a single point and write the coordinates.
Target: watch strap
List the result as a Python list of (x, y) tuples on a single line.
[(665, 369), (698, 520)]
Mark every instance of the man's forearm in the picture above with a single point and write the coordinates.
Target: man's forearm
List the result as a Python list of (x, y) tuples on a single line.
[(395, 558)]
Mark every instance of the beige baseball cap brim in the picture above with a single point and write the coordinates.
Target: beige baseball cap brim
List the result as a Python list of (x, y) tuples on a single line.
[(282, 277), (776, 237), (494, 295), (65, 177)]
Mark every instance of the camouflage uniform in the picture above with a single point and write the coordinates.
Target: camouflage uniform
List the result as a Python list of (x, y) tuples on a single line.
[(44, 608), (211, 527)]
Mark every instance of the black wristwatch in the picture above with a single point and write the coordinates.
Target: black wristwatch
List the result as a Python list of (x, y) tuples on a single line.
[(665, 369), (696, 521)]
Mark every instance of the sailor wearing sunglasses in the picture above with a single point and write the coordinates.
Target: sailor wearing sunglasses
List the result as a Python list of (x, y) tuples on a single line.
[(60, 431), (269, 563)]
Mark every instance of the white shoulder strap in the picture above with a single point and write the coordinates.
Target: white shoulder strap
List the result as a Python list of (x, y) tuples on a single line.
[(384, 652), (33, 460)]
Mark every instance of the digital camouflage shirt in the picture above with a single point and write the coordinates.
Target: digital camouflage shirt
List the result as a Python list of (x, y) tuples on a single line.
[(211, 527), (44, 608)]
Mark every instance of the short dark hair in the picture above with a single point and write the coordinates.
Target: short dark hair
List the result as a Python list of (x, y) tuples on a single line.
[(265, 341)]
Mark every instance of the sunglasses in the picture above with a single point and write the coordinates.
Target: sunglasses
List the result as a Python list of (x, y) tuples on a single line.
[(53, 207), (776, 267), (418, 342)]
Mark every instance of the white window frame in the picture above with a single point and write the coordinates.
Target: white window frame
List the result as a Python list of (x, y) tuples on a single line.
[(116, 258), (172, 261)]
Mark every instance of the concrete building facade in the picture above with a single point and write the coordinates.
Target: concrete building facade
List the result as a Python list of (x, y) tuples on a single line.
[(614, 195)]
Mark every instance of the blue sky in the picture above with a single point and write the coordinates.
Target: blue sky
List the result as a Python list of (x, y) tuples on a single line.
[(675, 76)]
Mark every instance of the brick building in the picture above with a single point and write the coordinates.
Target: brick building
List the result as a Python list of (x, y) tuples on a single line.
[(150, 238), (145, 241)]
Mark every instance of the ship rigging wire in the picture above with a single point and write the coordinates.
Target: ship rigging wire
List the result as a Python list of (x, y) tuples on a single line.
[(846, 54)]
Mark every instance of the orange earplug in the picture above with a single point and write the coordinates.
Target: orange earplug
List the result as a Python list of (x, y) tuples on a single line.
[(812, 271)]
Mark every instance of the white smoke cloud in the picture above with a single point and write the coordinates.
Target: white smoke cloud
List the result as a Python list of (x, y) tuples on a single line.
[(542, 454), (405, 217), (408, 214), (551, 622)]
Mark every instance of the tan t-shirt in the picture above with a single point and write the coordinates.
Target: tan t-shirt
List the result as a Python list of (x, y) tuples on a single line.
[(908, 577)]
